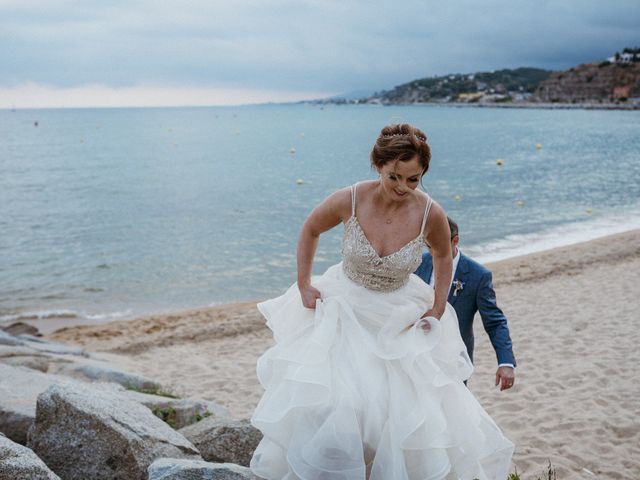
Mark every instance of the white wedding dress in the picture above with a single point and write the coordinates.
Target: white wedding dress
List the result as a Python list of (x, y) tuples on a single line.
[(356, 389)]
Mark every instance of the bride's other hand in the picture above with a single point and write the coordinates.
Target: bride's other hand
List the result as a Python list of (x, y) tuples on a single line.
[(309, 295), (432, 312), (424, 323)]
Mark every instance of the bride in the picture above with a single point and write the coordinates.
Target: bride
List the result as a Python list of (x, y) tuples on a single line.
[(365, 380)]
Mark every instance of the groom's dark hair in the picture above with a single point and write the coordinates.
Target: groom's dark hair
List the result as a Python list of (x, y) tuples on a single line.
[(453, 226)]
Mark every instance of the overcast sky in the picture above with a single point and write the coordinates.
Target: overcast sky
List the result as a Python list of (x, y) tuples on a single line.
[(203, 52)]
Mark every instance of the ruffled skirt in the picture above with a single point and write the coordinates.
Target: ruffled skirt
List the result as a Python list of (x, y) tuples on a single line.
[(356, 389)]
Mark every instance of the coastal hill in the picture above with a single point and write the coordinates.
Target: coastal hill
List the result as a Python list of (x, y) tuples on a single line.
[(611, 83), (522, 82), (593, 82)]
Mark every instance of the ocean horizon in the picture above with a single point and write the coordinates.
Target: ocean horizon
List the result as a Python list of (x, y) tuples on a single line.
[(116, 213)]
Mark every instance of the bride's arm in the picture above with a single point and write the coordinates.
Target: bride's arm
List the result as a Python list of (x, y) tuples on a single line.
[(438, 237), (325, 216)]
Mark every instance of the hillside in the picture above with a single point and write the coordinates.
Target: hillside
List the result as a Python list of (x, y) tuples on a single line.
[(593, 82), (466, 87), (612, 83)]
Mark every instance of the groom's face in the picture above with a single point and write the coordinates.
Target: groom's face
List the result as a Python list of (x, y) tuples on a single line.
[(454, 245)]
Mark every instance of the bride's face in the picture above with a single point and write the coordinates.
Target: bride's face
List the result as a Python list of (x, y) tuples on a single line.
[(398, 179)]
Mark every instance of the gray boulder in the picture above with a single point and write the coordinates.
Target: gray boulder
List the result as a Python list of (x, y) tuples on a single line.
[(84, 431), (20, 328), (224, 439), (46, 346), (20, 463), (104, 373), (178, 412), (19, 390), (6, 339), (34, 362), (24, 356), (173, 469)]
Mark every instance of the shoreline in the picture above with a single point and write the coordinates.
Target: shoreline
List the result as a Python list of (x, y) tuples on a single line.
[(49, 322), (572, 314), (509, 271), (523, 105)]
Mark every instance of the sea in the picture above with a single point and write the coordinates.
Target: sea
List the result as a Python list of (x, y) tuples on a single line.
[(116, 213)]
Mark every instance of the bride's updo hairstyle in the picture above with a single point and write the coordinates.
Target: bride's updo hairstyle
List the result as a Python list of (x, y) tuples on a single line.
[(401, 142)]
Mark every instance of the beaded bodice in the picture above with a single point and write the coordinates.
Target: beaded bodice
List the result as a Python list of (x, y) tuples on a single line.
[(362, 264)]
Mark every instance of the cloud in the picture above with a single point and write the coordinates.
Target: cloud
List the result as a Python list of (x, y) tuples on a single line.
[(297, 45), (32, 95)]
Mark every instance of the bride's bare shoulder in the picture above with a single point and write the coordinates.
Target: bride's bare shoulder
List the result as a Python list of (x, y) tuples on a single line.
[(338, 202)]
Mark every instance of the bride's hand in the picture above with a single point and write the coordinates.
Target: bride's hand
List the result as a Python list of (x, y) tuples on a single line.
[(432, 312), (424, 324), (309, 295)]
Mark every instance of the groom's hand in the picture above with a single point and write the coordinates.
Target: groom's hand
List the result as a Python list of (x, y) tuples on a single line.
[(505, 377)]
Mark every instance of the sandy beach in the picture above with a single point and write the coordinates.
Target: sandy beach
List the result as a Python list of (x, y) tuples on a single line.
[(573, 314)]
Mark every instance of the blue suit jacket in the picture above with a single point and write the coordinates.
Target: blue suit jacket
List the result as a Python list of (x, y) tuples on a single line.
[(476, 295)]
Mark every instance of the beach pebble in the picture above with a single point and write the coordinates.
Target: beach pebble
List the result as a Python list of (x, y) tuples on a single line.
[(224, 440), (173, 469), (18, 462), (81, 431)]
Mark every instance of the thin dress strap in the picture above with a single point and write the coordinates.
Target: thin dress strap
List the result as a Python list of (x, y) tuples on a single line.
[(426, 214), (353, 199)]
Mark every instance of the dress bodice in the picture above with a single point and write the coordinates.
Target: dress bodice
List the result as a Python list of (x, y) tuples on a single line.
[(362, 264)]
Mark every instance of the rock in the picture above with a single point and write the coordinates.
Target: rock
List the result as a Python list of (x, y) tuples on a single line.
[(24, 356), (16, 351), (20, 463), (34, 362), (173, 469), (19, 390), (98, 373), (179, 412), (50, 347), (224, 440), (19, 328), (84, 431), (6, 339)]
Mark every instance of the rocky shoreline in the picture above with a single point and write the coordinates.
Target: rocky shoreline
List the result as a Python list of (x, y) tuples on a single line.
[(69, 414)]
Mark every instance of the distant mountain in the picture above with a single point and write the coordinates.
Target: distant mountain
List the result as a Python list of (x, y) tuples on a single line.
[(611, 83), (354, 95), (465, 87)]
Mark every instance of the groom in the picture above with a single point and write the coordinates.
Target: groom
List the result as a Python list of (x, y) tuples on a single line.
[(472, 290)]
